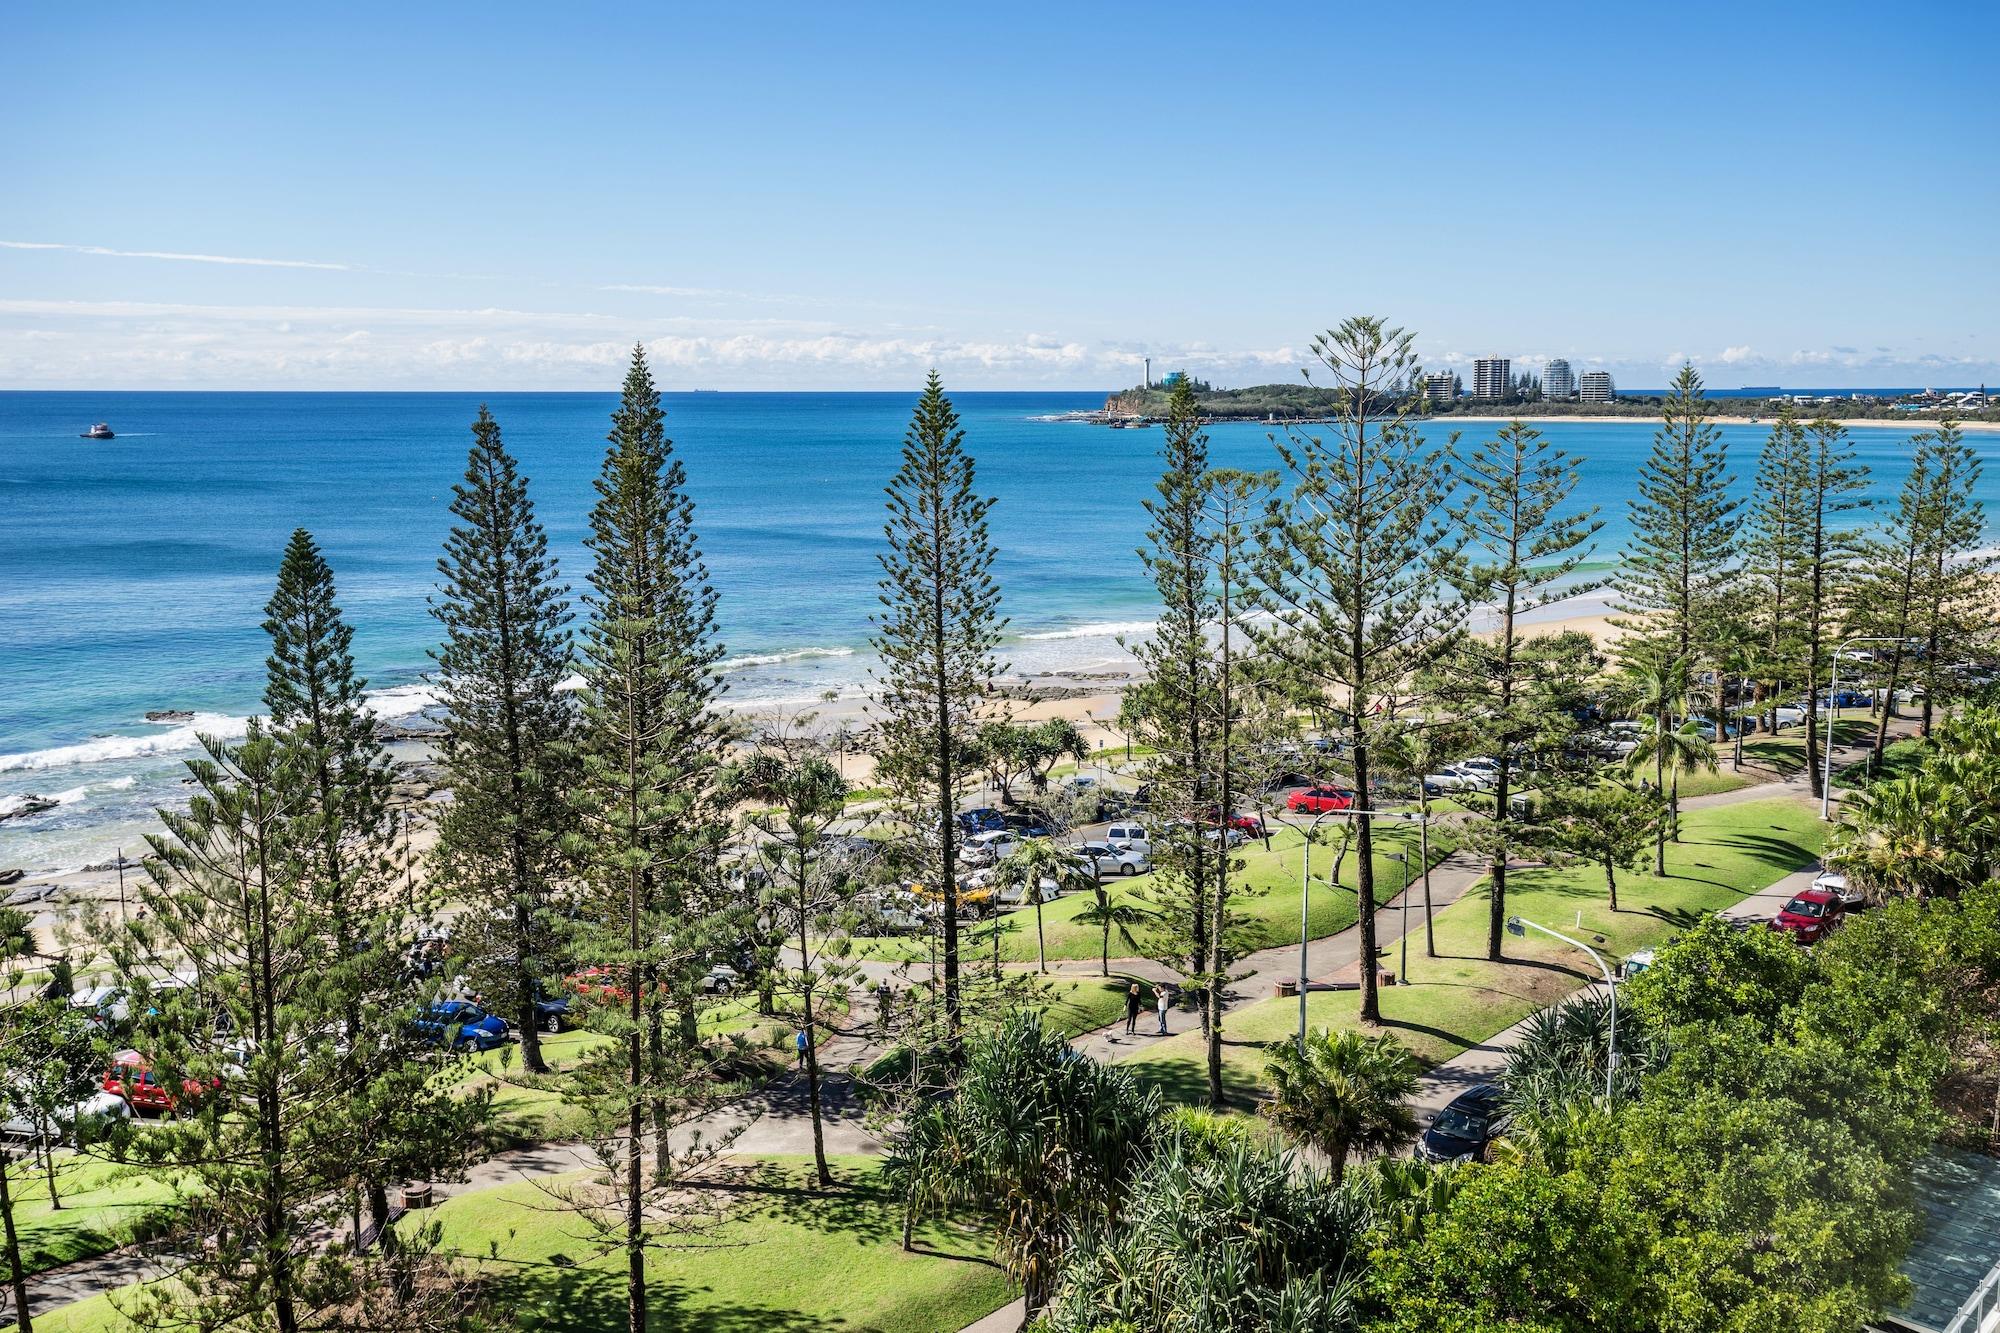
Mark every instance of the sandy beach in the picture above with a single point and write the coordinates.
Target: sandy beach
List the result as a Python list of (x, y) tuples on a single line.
[(1911, 426)]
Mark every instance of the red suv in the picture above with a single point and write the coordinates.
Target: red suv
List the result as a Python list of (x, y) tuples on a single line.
[(1319, 800), (1809, 916), (131, 1077)]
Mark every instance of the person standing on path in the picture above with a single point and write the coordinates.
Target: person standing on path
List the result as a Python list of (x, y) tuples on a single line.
[(1132, 1009), (1160, 1003)]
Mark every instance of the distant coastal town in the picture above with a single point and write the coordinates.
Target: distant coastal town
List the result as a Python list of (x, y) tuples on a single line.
[(1556, 390)]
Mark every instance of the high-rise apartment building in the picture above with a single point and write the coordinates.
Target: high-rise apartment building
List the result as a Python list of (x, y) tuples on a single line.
[(1440, 386), (1492, 377), (1596, 387), (1558, 380)]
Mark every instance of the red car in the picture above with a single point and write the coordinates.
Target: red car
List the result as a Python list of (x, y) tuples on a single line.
[(1809, 916), (131, 1077), (1319, 800)]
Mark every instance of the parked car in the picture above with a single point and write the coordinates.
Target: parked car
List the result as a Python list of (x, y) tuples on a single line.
[(1480, 767), (84, 1118), (1010, 896), (1453, 778), (983, 819), (1111, 859), (1319, 800), (1028, 824), (1835, 883), (1466, 1127), (720, 979), (1635, 964), (1848, 698), (551, 1008), (1707, 730), (460, 1025), (1788, 715), (1810, 916), (131, 1079), (984, 849), (1136, 837)]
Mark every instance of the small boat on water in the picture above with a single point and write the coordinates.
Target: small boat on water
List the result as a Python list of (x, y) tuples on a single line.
[(101, 431)]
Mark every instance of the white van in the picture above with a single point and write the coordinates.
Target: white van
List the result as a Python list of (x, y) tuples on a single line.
[(1132, 837)]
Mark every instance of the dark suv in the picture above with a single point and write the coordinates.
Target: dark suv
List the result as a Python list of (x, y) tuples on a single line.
[(1464, 1129)]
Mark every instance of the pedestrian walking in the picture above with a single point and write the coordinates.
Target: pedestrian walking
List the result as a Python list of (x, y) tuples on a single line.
[(1160, 1003), (1132, 1009), (802, 1039)]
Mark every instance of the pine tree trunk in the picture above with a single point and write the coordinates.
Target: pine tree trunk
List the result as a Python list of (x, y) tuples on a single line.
[(812, 1085), (1611, 883), (17, 1276)]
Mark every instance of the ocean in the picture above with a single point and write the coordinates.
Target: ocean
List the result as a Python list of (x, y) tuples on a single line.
[(133, 572)]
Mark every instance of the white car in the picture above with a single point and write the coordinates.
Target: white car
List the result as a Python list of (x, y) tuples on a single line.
[(1788, 715), (1635, 964), (985, 849), (1454, 778), (90, 1114), (1016, 895), (1835, 882), (1114, 860), (720, 979)]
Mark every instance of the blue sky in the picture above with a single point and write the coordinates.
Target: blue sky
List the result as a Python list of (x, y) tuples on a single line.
[(818, 196)]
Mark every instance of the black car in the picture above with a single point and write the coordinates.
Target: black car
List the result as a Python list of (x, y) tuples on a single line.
[(1028, 824), (1463, 1129)]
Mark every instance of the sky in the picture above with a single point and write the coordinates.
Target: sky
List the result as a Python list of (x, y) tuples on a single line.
[(809, 196)]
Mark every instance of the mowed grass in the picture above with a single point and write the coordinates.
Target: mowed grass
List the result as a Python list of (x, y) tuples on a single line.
[(105, 1205), (1267, 883), (1460, 999), (782, 1257)]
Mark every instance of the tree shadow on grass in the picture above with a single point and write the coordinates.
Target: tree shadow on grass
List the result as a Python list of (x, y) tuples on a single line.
[(560, 1298)]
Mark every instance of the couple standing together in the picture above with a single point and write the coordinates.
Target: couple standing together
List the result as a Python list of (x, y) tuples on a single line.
[(1132, 1007)]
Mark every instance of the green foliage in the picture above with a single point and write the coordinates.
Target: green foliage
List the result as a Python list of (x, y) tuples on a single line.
[(1216, 1237), (508, 734), (934, 636), (1353, 564), (1342, 1092), (1515, 1247), (1936, 829), (1609, 825), (1673, 572), (1044, 1139)]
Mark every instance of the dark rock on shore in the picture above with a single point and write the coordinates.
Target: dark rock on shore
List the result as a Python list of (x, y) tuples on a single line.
[(169, 715), (31, 804)]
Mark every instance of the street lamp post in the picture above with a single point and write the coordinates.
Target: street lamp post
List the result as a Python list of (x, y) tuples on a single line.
[(1305, 888), (1833, 712), (1519, 926), (1403, 964)]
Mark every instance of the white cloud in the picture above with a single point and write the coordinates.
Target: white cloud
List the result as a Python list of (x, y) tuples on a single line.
[(173, 255), (1732, 355)]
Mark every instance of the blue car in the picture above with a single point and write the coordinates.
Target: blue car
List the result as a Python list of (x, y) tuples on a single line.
[(461, 1024), (985, 819)]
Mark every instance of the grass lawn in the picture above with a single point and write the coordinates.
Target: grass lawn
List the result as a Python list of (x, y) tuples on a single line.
[(1270, 902), (784, 1258), (104, 1205), (1459, 998)]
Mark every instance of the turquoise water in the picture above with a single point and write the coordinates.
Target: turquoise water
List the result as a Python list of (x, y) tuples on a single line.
[(133, 572)]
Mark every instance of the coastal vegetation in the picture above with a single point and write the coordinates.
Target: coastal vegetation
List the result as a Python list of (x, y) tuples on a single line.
[(685, 888)]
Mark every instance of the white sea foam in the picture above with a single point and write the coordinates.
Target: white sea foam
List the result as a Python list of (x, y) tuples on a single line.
[(108, 749), (1105, 629), (402, 700), (773, 659)]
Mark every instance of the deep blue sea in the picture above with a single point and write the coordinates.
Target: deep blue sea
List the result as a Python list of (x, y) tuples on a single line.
[(133, 572)]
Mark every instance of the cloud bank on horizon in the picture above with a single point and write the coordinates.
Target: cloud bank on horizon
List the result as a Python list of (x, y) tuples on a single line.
[(1041, 195), (137, 344)]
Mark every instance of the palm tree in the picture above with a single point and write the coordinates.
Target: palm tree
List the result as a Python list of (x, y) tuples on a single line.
[(1037, 862), (1342, 1091), (1672, 753), (1652, 687), (1905, 836), (1108, 912), (1039, 1140)]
